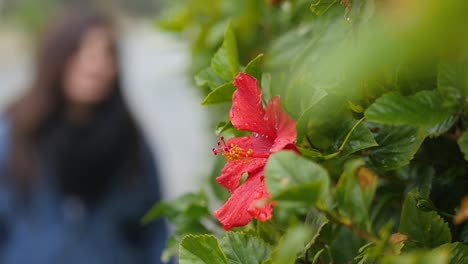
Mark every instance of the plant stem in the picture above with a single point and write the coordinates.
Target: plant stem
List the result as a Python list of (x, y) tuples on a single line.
[(331, 156), (446, 214), (345, 141), (348, 136), (358, 232)]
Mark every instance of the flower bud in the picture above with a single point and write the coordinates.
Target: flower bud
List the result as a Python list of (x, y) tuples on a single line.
[(425, 205)]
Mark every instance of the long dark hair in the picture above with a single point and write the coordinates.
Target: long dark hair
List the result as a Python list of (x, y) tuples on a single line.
[(34, 116)]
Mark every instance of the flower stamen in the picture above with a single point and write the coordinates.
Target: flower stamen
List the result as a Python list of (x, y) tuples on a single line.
[(234, 152)]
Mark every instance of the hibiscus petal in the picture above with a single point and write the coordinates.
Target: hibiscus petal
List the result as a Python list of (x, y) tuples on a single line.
[(283, 125), (256, 149), (247, 202), (247, 111), (233, 171), (257, 143), (262, 207)]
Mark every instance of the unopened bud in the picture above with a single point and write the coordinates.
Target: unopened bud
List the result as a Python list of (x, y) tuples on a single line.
[(398, 237), (462, 214), (366, 177), (425, 205)]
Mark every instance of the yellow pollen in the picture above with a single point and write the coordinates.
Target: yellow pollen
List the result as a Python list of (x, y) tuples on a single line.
[(236, 153)]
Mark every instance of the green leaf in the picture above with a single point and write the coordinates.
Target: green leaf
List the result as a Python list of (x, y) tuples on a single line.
[(322, 6), (171, 249), (241, 248), (372, 252), (355, 191), (316, 221), (219, 192), (185, 212), (464, 234), (320, 124), (309, 153), (358, 138), (254, 68), (202, 249), (266, 85), (463, 144), (178, 21), (226, 60), (269, 231), (419, 176), (355, 107), (344, 245), (397, 146), (424, 229), (186, 207), (431, 257), (291, 177), (223, 126), (458, 252), (311, 105), (425, 109), (442, 127), (316, 259), (207, 77), (222, 94), (193, 227), (410, 78), (290, 245), (424, 204), (452, 80)]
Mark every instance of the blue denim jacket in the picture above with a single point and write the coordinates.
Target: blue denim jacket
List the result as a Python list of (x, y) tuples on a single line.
[(55, 229)]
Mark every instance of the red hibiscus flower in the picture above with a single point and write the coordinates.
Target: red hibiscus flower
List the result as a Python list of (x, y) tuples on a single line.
[(273, 130)]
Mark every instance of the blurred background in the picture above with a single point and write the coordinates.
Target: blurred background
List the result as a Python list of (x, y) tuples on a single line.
[(156, 84)]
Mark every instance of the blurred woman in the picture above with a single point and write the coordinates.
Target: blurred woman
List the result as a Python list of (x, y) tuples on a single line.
[(75, 173)]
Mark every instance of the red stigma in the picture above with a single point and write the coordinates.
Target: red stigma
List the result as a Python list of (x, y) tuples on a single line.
[(222, 147)]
